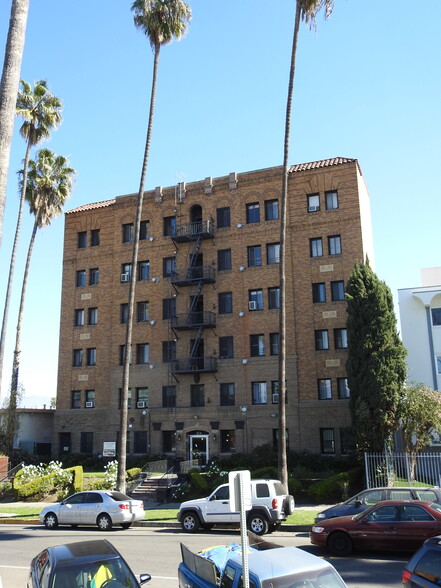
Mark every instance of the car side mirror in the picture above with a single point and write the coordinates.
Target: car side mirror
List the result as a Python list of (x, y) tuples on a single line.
[(358, 503), (143, 578), (213, 497)]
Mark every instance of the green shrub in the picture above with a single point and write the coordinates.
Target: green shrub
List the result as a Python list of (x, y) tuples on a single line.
[(295, 486), (198, 484), (132, 474), (336, 488)]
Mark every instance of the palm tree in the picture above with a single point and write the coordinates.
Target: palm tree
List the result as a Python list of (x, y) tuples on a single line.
[(8, 90), (49, 185), (41, 111), (306, 10), (161, 21)]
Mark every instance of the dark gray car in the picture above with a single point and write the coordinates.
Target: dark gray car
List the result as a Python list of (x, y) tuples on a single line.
[(367, 498)]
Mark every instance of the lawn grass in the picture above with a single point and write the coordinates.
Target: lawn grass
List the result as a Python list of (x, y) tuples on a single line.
[(299, 517)]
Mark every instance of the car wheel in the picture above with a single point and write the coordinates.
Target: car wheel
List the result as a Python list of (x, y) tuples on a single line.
[(289, 505), (104, 522), (126, 525), (258, 523), (190, 522), (51, 521), (339, 543)]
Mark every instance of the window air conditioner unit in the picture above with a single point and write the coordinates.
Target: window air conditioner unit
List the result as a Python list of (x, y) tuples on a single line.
[(276, 398), (313, 208), (125, 277), (252, 305), (90, 404), (141, 404)]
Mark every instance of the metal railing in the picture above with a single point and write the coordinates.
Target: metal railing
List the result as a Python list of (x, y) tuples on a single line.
[(395, 469), (11, 473)]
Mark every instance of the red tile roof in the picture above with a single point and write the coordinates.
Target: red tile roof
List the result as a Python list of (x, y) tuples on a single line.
[(101, 204), (322, 163)]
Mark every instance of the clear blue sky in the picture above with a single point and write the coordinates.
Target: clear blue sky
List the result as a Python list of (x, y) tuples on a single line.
[(367, 86)]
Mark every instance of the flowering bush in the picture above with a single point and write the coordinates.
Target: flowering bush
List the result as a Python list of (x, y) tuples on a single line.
[(111, 474)]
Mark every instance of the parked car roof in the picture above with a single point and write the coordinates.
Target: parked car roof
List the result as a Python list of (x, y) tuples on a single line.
[(424, 567)]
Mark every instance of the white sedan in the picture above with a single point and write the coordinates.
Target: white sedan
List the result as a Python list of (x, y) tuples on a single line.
[(103, 508)]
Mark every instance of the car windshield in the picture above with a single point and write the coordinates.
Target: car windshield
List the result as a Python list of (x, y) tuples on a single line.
[(315, 579), (94, 575), (435, 506), (119, 496)]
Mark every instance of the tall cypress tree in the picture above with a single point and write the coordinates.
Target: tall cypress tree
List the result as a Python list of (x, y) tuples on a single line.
[(376, 365)]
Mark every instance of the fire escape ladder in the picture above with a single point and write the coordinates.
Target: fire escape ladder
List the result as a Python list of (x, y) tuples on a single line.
[(196, 342)]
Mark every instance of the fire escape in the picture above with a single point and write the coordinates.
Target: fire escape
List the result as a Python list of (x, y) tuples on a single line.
[(195, 320)]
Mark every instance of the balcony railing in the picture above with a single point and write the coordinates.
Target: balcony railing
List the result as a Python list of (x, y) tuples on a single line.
[(193, 320), (191, 231), (192, 275), (194, 365)]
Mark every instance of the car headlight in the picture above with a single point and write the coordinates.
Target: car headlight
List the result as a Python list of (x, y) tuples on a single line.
[(321, 515), (318, 529)]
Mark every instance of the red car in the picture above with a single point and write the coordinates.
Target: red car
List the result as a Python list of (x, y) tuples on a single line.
[(392, 524)]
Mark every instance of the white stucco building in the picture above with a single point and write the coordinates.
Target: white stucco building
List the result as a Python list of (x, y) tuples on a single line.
[(420, 316)]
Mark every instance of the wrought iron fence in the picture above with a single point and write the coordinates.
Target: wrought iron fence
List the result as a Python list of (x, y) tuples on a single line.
[(395, 469)]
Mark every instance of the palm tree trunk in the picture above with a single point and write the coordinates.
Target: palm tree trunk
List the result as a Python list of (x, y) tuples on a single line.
[(283, 468), (8, 91), (12, 262), (122, 458), (16, 359)]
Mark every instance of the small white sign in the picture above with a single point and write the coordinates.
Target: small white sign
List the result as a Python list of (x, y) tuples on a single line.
[(240, 490), (109, 449)]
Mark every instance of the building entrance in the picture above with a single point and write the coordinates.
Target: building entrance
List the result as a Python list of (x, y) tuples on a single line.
[(198, 449)]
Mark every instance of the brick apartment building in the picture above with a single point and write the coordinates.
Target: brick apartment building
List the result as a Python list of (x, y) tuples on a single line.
[(204, 364)]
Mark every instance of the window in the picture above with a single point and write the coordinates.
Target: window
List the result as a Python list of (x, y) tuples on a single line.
[(226, 347), (94, 237), (197, 395), (271, 210), (327, 442), (144, 230), (140, 442), (127, 233), (86, 442), (94, 275), (142, 312), (81, 278), (331, 198), (274, 297), (168, 441), (75, 399), (122, 354), (254, 256), (126, 271), (324, 389), (438, 363), (227, 441), (91, 356), (129, 398), (274, 343), (334, 245), (168, 308), (168, 266), (142, 397), (321, 340), (343, 388), (143, 271), (168, 396), (79, 317), (313, 202), (169, 226), (223, 217), (92, 316), (272, 253), (124, 313), (142, 353), (82, 239), (258, 393), (225, 302), (436, 316), (90, 398), (337, 290), (168, 351), (319, 292), (275, 392), (257, 345), (224, 259), (340, 338), (316, 247), (255, 299), (77, 357), (227, 394), (253, 213)]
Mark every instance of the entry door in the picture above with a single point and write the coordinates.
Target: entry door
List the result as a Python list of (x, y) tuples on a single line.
[(199, 449)]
